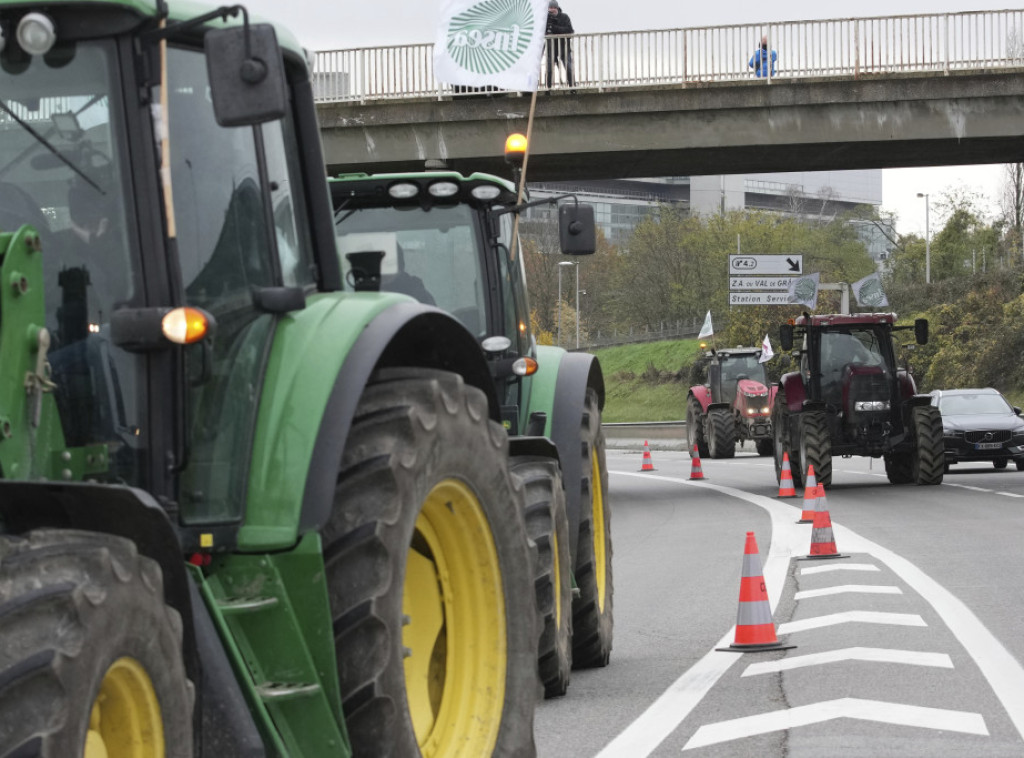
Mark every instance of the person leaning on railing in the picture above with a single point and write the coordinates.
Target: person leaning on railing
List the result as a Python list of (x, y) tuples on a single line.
[(759, 60)]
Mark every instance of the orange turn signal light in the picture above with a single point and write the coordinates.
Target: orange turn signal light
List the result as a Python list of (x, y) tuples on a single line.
[(524, 367), (185, 326)]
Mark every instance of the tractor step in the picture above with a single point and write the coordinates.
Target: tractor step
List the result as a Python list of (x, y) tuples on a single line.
[(275, 692)]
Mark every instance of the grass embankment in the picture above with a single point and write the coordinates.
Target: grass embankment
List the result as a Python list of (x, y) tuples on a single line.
[(644, 383)]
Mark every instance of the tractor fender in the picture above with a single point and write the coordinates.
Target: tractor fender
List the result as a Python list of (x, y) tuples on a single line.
[(703, 396), (108, 509), (908, 388), (793, 385), (718, 407), (404, 334), (534, 447), (917, 401), (577, 372)]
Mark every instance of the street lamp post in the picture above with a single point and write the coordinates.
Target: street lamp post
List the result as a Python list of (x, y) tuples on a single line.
[(927, 241), (560, 265)]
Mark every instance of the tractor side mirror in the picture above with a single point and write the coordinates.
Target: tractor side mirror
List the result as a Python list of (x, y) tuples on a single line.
[(576, 230), (786, 336), (921, 331), (247, 79)]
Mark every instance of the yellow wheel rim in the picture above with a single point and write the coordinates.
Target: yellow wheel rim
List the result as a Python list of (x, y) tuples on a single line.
[(597, 506), (125, 721), (454, 634)]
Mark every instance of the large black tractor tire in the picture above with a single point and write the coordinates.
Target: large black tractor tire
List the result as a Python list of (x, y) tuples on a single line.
[(816, 446), (695, 436), (929, 457), (429, 576), (899, 467), (91, 656), (547, 524), (592, 620), (766, 447), (721, 433), (782, 443)]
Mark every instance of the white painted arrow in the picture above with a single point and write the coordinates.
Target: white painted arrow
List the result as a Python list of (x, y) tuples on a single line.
[(870, 589), (869, 654), (863, 617), (839, 567), (847, 707)]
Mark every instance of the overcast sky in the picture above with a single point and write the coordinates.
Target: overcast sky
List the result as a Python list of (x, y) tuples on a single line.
[(337, 25)]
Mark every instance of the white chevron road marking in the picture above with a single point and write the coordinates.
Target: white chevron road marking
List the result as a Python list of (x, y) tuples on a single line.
[(866, 654), (869, 589), (846, 707), (839, 567), (849, 617)]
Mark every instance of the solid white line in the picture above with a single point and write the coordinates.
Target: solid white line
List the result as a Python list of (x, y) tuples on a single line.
[(847, 707), (1010, 494), (972, 489), (870, 589), (1004, 672), (868, 654), (843, 566), (863, 617)]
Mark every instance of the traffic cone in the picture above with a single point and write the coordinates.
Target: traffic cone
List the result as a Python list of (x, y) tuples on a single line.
[(810, 496), (786, 488), (695, 470), (648, 464), (755, 629), (823, 544)]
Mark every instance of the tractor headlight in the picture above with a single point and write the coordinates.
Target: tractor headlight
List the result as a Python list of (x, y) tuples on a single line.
[(871, 405), (36, 33), (765, 409)]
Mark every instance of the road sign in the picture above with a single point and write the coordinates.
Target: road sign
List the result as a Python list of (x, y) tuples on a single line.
[(758, 298), (760, 283), (766, 264)]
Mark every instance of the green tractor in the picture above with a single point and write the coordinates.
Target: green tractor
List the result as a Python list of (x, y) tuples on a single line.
[(244, 510), (446, 240)]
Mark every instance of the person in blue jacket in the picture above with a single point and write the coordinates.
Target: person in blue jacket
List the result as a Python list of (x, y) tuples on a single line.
[(759, 60)]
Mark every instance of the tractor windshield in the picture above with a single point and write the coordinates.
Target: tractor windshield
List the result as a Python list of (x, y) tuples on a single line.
[(432, 255), (847, 354), (740, 367), (63, 171)]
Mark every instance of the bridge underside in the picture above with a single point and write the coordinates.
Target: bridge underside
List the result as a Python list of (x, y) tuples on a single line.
[(805, 125)]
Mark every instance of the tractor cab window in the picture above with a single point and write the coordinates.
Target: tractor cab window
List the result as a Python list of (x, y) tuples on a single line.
[(432, 255), (847, 354), (64, 171), (740, 367), (237, 201), (516, 310)]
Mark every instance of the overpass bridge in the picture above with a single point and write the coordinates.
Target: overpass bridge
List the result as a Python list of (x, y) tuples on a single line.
[(920, 90)]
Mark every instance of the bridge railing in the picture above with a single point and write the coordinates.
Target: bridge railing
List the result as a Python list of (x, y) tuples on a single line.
[(851, 47)]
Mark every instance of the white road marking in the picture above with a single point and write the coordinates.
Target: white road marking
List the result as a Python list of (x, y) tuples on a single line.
[(972, 489), (868, 654), (870, 589), (1004, 672), (839, 567), (1010, 494), (849, 617), (846, 707)]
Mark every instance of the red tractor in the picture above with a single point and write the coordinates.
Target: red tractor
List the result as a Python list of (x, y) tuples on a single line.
[(733, 405), (851, 398)]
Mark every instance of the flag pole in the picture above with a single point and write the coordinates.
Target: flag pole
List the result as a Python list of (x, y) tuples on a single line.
[(526, 159)]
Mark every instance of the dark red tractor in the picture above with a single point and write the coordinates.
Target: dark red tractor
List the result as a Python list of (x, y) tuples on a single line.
[(851, 398), (733, 405)]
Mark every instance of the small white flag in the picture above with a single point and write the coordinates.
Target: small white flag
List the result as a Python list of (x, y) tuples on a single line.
[(868, 292), (706, 330), (766, 351), (491, 43), (803, 290)]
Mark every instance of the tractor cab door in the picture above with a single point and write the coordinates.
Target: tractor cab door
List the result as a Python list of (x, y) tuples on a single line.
[(242, 226)]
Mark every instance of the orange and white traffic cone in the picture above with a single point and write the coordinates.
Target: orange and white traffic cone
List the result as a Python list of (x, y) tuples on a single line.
[(786, 487), (810, 496), (755, 629), (823, 543), (648, 464), (695, 470)]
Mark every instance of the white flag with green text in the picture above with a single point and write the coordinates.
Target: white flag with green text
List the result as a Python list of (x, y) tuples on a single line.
[(491, 43)]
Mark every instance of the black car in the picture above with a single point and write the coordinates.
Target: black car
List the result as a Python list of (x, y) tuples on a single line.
[(980, 425)]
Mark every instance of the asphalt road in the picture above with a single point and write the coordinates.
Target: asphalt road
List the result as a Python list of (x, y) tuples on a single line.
[(911, 646)]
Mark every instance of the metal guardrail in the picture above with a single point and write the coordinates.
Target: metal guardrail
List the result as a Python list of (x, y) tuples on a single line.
[(853, 47)]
